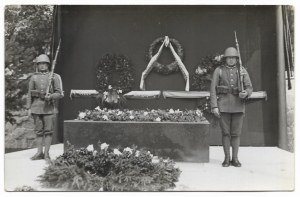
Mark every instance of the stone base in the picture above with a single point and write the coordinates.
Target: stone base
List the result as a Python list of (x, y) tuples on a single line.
[(179, 141)]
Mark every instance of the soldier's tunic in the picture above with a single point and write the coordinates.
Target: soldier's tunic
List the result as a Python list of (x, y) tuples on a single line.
[(43, 111), (224, 95)]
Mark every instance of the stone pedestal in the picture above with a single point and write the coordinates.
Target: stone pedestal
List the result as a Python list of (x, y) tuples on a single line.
[(179, 141)]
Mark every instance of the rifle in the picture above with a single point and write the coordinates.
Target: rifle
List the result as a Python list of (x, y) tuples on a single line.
[(241, 86), (52, 69)]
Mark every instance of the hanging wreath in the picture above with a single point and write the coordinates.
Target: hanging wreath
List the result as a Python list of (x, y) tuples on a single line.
[(110, 64), (172, 67)]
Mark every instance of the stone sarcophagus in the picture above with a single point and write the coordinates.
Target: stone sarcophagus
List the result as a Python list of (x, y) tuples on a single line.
[(179, 141)]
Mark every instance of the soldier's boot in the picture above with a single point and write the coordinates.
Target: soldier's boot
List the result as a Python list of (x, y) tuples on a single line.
[(235, 162), (235, 143), (48, 140), (226, 148), (39, 155)]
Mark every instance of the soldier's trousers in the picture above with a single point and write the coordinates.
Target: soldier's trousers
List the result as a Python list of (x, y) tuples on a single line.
[(231, 124), (44, 124)]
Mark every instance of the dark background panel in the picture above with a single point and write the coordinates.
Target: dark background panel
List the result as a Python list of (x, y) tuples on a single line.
[(89, 32)]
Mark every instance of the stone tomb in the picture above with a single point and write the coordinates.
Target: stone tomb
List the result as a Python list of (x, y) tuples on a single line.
[(180, 141)]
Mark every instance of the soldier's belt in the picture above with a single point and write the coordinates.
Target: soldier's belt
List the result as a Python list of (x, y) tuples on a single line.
[(227, 90), (37, 94)]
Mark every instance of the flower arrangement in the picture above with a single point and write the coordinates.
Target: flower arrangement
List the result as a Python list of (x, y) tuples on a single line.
[(112, 98), (159, 115), (110, 64), (202, 79), (110, 169), (172, 67)]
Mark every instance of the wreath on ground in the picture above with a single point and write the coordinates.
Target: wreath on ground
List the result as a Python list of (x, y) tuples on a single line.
[(110, 64), (202, 80), (161, 68)]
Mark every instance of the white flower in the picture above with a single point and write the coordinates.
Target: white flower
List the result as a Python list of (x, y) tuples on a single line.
[(104, 146), (146, 113), (199, 112), (131, 117), (158, 119), (178, 111), (90, 147), (128, 150), (155, 159), (218, 58), (109, 87), (171, 111), (119, 91), (94, 153), (105, 93), (98, 108), (105, 117), (151, 155), (130, 112), (117, 152), (119, 113), (82, 115), (101, 189), (137, 153)]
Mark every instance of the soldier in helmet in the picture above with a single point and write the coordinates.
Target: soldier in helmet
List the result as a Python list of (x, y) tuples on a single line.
[(227, 102), (42, 107)]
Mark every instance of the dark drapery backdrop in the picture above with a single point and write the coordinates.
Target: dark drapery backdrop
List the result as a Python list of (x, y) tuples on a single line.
[(89, 32)]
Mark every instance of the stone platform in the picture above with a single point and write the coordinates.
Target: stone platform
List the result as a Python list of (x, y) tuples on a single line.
[(186, 142)]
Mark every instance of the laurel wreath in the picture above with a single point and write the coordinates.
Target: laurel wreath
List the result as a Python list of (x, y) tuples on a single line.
[(110, 64), (161, 68)]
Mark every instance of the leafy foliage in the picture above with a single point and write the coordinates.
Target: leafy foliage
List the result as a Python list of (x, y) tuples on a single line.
[(110, 170), (202, 80), (28, 30)]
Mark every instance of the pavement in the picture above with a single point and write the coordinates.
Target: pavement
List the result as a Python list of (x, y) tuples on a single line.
[(263, 169)]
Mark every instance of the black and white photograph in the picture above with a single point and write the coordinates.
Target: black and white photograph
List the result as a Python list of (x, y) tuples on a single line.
[(142, 97)]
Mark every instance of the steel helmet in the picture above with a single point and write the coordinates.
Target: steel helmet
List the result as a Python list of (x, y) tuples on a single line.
[(231, 52), (42, 58)]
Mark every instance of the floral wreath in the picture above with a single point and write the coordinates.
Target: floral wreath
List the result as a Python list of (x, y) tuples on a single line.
[(109, 64), (202, 80), (161, 68)]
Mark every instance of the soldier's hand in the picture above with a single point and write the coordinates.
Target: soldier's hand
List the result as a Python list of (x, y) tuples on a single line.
[(48, 97), (243, 94), (216, 112)]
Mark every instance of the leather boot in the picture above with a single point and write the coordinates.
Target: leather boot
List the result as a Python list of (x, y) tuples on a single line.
[(235, 162), (48, 140), (226, 162), (39, 155)]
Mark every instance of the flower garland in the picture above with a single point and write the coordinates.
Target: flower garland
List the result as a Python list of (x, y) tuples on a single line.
[(109, 64), (171, 115), (202, 80), (172, 67)]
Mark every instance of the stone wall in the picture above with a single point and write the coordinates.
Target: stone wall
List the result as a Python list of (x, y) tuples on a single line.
[(20, 135), (290, 99)]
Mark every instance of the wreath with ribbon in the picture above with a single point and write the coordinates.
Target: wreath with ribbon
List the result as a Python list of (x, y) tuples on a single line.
[(110, 64), (161, 68)]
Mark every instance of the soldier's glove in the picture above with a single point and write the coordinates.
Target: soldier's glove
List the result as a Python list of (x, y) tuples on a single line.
[(48, 97), (216, 112), (243, 94)]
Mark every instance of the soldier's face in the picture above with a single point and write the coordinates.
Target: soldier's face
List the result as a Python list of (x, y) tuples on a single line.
[(230, 61), (43, 66)]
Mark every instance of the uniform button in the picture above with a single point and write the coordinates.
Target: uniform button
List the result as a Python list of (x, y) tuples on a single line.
[(231, 79), (231, 85)]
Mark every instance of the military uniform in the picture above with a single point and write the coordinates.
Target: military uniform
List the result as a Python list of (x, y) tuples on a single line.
[(44, 111), (224, 95)]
